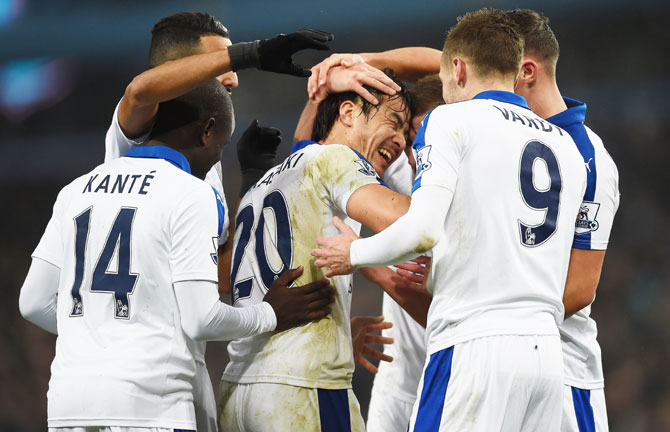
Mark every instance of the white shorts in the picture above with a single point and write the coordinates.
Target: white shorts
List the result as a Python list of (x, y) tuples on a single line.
[(387, 413), (502, 383), (204, 400), (584, 410), (280, 407)]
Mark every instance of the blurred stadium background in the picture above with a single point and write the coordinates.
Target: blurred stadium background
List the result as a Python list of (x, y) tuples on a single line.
[(64, 64)]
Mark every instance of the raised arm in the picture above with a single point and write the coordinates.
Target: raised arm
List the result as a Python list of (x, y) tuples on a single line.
[(174, 78)]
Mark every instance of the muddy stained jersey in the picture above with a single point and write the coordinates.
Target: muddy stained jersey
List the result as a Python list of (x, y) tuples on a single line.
[(122, 235), (277, 225), (518, 181), (581, 351)]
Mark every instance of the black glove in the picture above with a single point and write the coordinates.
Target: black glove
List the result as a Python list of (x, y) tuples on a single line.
[(256, 152), (274, 54)]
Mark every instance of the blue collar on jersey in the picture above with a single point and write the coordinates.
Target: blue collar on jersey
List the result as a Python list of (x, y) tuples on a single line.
[(576, 113), (161, 152), (503, 96), (299, 145)]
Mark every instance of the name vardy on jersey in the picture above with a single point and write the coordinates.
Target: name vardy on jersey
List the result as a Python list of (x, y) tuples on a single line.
[(538, 124), (121, 183)]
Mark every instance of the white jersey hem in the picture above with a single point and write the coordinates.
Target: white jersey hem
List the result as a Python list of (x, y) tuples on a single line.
[(148, 423), (288, 380), (439, 345), (584, 385)]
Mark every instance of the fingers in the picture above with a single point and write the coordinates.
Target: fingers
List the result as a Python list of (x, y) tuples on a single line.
[(371, 352), (365, 321), (423, 259), (317, 35), (365, 363), (341, 226), (288, 276), (378, 340), (410, 276), (378, 326), (317, 315)]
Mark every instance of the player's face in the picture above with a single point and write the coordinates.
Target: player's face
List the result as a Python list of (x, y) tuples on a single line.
[(382, 135), (213, 43)]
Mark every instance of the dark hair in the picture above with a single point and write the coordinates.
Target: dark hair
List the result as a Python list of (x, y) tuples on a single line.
[(195, 108), (178, 35), (427, 94), (539, 40), (329, 108), (487, 37)]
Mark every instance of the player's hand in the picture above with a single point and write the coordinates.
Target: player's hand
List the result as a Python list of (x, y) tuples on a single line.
[(354, 78), (415, 272), (256, 152), (320, 71), (298, 305), (334, 251), (274, 54), (361, 334)]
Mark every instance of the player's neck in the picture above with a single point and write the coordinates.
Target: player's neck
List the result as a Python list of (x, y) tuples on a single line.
[(337, 135), (191, 154), (545, 99), (477, 87)]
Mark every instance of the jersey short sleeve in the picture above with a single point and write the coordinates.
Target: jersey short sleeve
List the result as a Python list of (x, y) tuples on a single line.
[(438, 149), (601, 201), (117, 143), (50, 247), (342, 171), (194, 231)]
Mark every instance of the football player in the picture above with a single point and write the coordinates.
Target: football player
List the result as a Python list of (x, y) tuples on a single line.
[(495, 197), (584, 397), (126, 275)]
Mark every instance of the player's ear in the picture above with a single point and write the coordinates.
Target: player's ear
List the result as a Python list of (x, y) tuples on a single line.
[(460, 70), (207, 134), (528, 72), (347, 111)]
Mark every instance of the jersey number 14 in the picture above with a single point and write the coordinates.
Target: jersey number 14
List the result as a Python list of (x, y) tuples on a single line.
[(120, 283)]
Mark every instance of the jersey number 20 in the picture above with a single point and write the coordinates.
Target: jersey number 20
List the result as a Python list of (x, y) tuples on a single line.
[(120, 283), (275, 203)]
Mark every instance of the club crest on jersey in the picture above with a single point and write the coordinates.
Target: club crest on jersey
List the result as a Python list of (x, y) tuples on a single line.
[(586, 219), (366, 167), (422, 163)]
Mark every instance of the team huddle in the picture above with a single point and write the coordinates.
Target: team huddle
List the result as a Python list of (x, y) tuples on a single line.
[(492, 204)]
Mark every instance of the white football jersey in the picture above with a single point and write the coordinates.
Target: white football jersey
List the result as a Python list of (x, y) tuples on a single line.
[(517, 182), (277, 225), (118, 144), (122, 235), (581, 352)]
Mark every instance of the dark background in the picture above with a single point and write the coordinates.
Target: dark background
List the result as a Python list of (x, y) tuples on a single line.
[(64, 65)]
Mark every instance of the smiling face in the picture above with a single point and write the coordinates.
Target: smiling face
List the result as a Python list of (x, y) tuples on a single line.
[(380, 136)]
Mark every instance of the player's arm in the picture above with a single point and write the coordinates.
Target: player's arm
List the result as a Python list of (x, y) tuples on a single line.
[(415, 233), (583, 277), (409, 64), (588, 253), (205, 317), (39, 294), (175, 78), (406, 286)]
